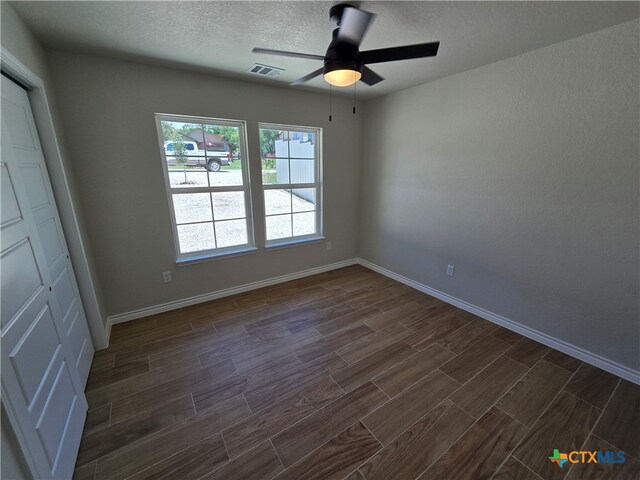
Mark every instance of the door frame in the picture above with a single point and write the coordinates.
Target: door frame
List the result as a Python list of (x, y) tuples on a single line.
[(60, 184)]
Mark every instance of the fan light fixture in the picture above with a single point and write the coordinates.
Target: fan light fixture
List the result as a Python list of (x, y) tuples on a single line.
[(342, 78), (344, 63)]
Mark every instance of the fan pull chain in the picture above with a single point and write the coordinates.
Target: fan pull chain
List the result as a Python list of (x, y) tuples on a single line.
[(330, 92), (355, 89)]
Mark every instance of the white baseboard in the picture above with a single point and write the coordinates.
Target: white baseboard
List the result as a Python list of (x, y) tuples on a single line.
[(577, 352), (107, 333), (165, 307)]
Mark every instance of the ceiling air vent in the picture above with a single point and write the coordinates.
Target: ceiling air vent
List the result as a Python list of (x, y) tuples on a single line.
[(265, 70)]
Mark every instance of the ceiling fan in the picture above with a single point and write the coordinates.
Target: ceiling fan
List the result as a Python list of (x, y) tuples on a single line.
[(344, 63)]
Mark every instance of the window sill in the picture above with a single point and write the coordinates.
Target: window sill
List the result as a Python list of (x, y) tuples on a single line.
[(294, 243), (199, 258)]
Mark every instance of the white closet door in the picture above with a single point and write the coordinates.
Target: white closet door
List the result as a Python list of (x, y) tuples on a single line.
[(23, 138), (41, 387)]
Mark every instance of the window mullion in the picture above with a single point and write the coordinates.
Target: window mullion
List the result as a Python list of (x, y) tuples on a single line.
[(280, 214), (289, 171), (224, 189), (285, 186), (213, 219)]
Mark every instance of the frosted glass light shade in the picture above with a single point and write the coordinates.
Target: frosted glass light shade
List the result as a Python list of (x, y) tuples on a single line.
[(342, 78)]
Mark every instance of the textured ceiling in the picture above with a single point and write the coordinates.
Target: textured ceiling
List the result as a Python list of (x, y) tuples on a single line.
[(219, 36)]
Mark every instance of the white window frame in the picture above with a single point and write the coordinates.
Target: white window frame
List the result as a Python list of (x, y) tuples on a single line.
[(192, 257), (318, 184)]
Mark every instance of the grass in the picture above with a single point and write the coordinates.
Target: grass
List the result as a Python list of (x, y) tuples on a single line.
[(268, 178), (235, 165)]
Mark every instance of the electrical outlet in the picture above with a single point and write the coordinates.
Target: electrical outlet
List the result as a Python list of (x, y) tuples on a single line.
[(450, 269), (328, 246), (166, 277)]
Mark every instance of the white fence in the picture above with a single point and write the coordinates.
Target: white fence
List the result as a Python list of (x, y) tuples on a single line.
[(302, 171)]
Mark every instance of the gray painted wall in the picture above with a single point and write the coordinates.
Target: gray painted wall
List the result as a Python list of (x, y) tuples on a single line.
[(107, 108), (524, 174)]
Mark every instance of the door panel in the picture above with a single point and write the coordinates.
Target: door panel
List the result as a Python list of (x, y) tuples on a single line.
[(33, 173), (34, 182), (57, 413), (42, 389), (9, 203), (64, 294), (14, 112), (19, 275), (34, 354), (50, 236), (75, 333)]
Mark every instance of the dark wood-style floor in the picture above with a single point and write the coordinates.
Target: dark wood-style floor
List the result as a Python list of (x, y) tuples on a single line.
[(345, 375)]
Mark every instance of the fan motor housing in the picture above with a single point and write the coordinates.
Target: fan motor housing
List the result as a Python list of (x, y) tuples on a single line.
[(341, 56), (335, 12), (342, 64)]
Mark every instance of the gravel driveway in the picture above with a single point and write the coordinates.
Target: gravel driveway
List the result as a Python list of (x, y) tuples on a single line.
[(198, 178)]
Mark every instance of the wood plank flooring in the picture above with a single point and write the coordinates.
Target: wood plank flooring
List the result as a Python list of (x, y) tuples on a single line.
[(345, 375)]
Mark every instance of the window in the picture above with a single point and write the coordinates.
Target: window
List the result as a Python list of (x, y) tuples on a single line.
[(207, 188), (292, 183), (216, 147)]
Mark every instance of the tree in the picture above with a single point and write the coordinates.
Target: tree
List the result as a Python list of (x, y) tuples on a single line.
[(231, 135), (268, 145), (170, 133), (180, 153)]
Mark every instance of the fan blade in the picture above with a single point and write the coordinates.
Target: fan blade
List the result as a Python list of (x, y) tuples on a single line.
[(284, 53), (306, 78), (370, 77), (400, 53), (354, 25)]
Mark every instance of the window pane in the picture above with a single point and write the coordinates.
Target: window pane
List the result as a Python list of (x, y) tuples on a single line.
[(228, 205), (192, 207), (278, 227), (194, 238), (185, 174), (302, 171), (270, 141), (180, 134), (220, 139), (225, 173), (277, 201), (182, 143), (268, 171), (281, 171), (188, 158), (304, 224), (304, 199), (231, 233), (281, 144), (301, 145)]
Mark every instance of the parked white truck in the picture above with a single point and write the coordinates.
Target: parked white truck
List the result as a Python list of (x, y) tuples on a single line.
[(211, 159)]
